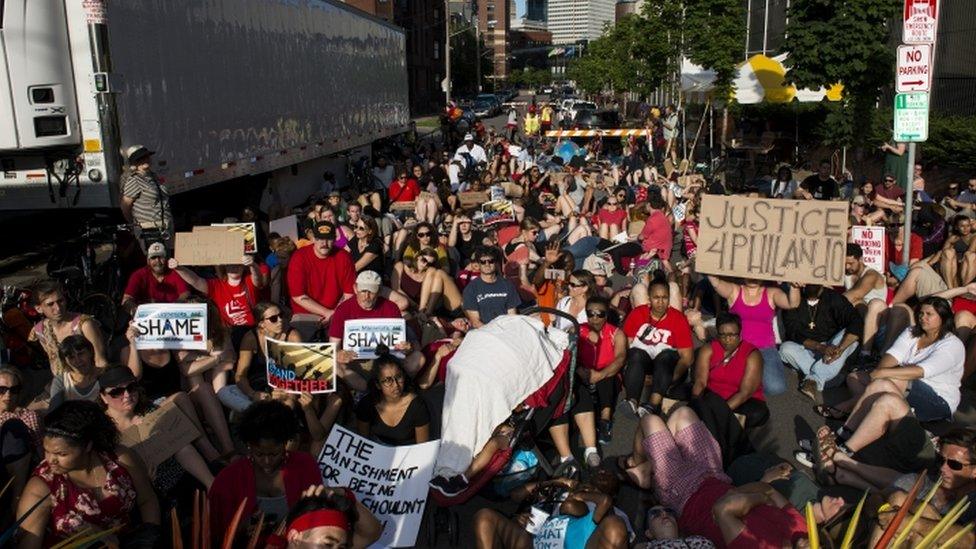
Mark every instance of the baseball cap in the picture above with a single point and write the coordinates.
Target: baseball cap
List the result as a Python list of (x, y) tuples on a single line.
[(156, 249), (368, 281), (598, 265), (115, 376), (468, 137), (137, 152), (323, 230)]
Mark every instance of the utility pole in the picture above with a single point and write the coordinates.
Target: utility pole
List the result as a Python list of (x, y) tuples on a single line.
[(477, 51), (447, 51)]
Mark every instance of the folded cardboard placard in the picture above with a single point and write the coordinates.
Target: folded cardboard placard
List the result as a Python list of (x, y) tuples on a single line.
[(210, 247)]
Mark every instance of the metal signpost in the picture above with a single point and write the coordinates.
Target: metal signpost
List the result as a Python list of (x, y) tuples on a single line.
[(913, 81)]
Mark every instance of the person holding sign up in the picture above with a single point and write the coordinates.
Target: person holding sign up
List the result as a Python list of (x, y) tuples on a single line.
[(320, 277), (368, 305)]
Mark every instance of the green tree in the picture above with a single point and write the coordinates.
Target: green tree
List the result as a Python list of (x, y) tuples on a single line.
[(842, 41), (463, 58), (714, 32)]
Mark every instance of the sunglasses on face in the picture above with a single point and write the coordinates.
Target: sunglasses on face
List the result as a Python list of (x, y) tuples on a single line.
[(273, 318), (596, 314), (424, 234), (576, 284), (426, 259), (955, 465), (13, 389), (487, 261), (360, 228), (116, 392)]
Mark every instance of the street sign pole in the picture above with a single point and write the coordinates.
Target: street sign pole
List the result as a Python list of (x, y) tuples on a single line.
[(906, 246)]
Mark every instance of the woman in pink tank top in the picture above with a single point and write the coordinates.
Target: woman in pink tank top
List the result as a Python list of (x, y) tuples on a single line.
[(757, 305)]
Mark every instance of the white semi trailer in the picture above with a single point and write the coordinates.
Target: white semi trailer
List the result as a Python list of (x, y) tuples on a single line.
[(219, 89)]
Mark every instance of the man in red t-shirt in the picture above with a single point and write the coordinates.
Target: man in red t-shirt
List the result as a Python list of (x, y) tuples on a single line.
[(319, 278), (368, 304), (660, 346), (890, 196), (403, 188), (154, 283)]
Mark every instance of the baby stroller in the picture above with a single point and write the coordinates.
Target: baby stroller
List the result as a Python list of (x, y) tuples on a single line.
[(551, 397)]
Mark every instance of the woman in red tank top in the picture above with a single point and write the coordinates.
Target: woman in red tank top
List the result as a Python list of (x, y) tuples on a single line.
[(602, 354), (728, 379)]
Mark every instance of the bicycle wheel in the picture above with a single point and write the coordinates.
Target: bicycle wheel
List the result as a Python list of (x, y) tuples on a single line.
[(103, 309)]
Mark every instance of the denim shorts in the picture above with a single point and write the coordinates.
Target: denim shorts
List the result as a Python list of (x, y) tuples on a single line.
[(926, 404)]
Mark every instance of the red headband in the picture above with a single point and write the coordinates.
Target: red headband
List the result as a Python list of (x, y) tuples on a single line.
[(315, 519)]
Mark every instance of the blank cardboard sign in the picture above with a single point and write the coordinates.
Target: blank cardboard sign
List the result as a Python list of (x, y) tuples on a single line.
[(211, 247)]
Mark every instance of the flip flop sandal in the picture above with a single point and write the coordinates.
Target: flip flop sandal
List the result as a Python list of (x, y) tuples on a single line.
[(823, 450), (830, 412)]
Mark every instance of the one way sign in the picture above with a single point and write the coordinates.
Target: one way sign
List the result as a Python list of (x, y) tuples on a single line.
[(914, 68)]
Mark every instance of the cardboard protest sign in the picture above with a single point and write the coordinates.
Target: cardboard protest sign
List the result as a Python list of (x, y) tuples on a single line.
[(301, 367), (403, 206), (497, 211), (362, 336), (209, 248), (249, 230), (872, 242), (472, 199), (389, 481), (784, 240), (163, 432), (171, 326), (286, 226)]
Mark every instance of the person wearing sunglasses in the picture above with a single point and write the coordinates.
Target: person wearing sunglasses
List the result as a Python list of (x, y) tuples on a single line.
[(602, 354), (251, 375), (20, 435), (425, 236), (612, 218), (957, 473), (490, 295), (122, 398), (580, 286), (87, 480), (392, 413), (366, 246), (464, 238)]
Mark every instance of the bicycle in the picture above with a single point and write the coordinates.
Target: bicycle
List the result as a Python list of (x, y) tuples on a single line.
[(92, 287), (16, 321)]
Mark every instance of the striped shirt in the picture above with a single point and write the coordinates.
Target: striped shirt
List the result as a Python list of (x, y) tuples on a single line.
[(150, 208)]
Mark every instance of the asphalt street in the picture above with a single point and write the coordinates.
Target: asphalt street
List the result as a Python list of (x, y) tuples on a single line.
[(791, 417)]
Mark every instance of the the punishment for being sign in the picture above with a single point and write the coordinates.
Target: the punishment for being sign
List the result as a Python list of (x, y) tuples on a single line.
[(783, 240)]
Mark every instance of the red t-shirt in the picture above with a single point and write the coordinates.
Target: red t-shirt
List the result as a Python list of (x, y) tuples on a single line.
[(234, 302), (894, 193), (615, 217), (654, 336), (407, 192), (766, 527), (960, 304), (350, 310), (915, 252), (144, 288), (324, 280), (657, 235)]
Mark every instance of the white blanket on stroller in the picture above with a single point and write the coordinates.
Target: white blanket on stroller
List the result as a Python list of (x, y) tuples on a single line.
[(496, 368)]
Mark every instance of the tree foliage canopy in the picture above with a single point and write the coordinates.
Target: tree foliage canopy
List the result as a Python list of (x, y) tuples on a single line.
[(842, 41)]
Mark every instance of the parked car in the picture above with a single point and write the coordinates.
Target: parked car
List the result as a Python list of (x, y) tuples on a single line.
[(492, 99), (483, 108), (602, 119), (571, 106)]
